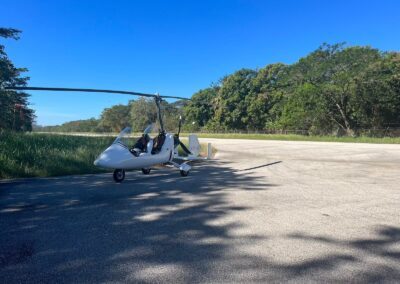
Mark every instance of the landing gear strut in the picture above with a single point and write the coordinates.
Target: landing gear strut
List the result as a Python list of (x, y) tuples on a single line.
[(184, 168), (119, 175), (146, 171)]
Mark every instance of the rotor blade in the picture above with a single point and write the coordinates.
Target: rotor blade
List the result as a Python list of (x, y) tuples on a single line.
[(172, 97), (79, 90), (184, 147), (91, 91)]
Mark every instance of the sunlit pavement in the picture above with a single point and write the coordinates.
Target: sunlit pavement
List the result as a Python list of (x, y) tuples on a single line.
[(263, 211)]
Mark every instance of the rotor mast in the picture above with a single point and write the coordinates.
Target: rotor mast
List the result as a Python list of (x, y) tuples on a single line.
[(158, 100)]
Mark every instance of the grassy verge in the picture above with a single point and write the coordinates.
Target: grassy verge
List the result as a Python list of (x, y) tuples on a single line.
[(45, 155), (41, 155), (293, 137)]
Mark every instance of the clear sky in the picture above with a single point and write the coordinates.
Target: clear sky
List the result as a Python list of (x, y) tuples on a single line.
[(173, 47)]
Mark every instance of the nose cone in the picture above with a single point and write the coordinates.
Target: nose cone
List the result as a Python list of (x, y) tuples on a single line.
[(101, 160), (113, 157), (97, 162)]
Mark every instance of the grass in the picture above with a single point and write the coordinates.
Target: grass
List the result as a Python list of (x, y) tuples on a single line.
[(294, 137), (46, 155), (41, 155)]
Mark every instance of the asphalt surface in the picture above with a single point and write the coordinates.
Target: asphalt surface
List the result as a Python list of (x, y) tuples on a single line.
[(263, 211)]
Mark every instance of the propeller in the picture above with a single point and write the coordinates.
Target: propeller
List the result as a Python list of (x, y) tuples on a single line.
[(177, 141)]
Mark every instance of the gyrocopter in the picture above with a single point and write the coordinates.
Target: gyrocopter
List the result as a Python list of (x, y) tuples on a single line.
[(146, 152)]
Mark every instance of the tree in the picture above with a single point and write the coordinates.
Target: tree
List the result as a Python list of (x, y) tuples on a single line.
[(85, 125), (231, 103), (200, 110), (171, 113), (115, 118), (264, 98), (304, 110), (142, 112), (14, 111), (333, 69), (377, 93)]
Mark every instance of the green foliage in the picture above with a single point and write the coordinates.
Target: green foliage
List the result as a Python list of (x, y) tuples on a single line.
[(333, 90), (138, 114), (199, 111), (86, 125), (302, 110), (14, 111), (333, 70), (232, 101), (377, 91), (9, 33), (142, 113), (115, 119), (171, 113), (39, 155)]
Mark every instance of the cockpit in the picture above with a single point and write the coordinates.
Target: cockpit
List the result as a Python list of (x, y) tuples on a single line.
[(143, 145)]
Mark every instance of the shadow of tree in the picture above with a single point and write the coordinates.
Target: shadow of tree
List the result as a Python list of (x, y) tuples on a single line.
[(156, 228), (386, 264), (119, 231)]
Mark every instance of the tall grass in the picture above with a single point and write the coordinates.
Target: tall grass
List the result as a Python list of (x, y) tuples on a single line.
[(45, 155), (39, 155)]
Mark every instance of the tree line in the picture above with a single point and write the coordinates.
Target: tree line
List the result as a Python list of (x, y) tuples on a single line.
[(137, 114), (334, 90)]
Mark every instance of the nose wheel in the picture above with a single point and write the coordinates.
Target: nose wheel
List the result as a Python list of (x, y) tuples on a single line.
[(119, 175), (146, 171), (184, 173)]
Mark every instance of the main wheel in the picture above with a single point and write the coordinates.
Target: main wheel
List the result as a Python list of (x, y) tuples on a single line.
[(146, 171), (184, 173), (119, 175)]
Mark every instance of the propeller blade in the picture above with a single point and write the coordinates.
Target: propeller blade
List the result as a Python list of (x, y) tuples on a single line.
[(92, 91), (176, 140), (184, 147)]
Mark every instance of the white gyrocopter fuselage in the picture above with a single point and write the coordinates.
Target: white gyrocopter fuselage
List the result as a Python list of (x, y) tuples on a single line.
[(145, 153)]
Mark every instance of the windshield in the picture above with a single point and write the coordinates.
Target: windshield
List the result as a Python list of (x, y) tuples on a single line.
[(148, 129), (125, 137)]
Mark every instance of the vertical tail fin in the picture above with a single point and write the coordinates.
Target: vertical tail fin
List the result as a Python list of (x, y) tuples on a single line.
[(194, 145)]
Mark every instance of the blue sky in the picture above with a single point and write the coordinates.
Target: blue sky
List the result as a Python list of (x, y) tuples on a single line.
[(173, 47)]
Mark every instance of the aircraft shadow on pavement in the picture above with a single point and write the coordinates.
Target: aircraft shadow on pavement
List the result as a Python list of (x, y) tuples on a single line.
[(260, 166), (152, 228)]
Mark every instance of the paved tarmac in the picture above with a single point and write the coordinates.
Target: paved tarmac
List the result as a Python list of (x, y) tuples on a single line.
[(263, 211)]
